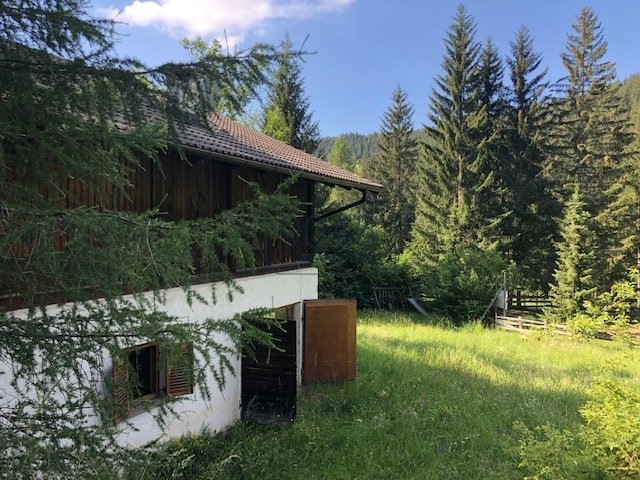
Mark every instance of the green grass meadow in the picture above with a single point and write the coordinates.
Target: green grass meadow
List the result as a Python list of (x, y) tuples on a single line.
[(429, 402)]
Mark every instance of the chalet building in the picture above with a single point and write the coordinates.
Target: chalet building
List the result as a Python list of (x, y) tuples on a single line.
[(211, 181)]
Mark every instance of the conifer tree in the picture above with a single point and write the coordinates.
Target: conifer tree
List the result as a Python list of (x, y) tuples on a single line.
[(491, 89), (72, 110), (450, 171), (623, 213), (286, 116), (573, 278), (526, 190), (589, 136), (491, 95), (394, 165)]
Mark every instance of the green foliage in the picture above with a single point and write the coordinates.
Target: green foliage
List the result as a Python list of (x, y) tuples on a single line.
[(549, 453), (573, 277), (520, 185), (362, 146), (287, 109), (606, 445), (72, 110), (352, 260), (451, 174), (612, 427), (233, 84), (275, 124), (340, 154), (462, 283), (394, 166), (589, 136), (609, 311)]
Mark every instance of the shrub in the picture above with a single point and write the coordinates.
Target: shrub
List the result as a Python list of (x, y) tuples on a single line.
[(351, 260), (549, 453), (609, 310), (607, 445), (612, 427), (463, 283)]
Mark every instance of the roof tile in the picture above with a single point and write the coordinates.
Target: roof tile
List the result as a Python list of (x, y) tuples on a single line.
[(233, 139)]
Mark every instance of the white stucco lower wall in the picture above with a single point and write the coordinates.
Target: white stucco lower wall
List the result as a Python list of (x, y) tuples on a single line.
[(222, 409)]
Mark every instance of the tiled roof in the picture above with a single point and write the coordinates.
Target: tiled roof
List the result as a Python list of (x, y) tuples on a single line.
[(236, 141)]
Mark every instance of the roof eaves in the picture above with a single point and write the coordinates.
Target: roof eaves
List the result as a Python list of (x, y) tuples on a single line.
[(281, 167)]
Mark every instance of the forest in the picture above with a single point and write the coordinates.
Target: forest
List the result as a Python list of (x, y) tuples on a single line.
[(513, 172)]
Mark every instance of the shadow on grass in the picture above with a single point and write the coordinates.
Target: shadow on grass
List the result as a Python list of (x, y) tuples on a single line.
[(417, 409)]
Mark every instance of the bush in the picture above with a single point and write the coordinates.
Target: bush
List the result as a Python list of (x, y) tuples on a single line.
[(612, 427), (463, 283), (351, 261), (609, 311), (606, 446)]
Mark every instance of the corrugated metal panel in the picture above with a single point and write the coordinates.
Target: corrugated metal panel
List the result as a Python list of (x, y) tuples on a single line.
[(329, 340)]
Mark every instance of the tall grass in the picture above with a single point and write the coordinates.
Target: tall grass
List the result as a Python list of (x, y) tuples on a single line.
[(429, 402)]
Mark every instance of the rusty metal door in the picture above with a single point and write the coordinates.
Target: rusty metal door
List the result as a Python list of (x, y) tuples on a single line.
[(329, 340)]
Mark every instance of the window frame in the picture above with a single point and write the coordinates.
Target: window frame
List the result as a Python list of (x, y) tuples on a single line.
[(165, 379)]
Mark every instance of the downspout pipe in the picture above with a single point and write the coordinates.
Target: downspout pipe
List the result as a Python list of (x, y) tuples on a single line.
[(343, 208), (330, 213)]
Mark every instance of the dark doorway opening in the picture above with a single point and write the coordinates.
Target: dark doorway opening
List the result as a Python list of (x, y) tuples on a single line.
[(269, 386)]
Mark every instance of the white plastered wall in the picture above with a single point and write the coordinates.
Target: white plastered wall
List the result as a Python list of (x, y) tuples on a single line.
[(222, 410)]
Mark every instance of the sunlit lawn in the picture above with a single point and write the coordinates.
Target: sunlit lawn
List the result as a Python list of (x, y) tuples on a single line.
[(429, 402)]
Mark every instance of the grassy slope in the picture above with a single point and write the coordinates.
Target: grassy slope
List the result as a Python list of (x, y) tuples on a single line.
[(428, 403)]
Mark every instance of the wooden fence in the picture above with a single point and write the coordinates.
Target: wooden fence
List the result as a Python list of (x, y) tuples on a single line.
[(520, 324), (528, 302)]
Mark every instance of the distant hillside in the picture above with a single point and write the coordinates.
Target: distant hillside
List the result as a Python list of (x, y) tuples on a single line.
[(360, 145)]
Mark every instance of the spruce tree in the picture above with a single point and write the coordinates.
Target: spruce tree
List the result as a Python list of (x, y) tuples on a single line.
[(526, 190), (71, 110), (394, 165), (450, 174), (573, 277), (589, 136), (286, 116), (491, 96), (623, 213)]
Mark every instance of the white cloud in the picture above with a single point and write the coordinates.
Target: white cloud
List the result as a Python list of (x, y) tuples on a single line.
[(214, 17)]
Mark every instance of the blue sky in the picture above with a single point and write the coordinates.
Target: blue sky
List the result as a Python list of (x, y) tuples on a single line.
[(365, 48)]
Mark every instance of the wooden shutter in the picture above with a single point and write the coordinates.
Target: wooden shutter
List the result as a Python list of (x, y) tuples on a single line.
[(179, 375), (120, 377), (329, 340)]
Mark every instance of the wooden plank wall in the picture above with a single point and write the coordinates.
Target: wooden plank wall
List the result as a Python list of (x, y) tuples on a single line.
[(197, 188)]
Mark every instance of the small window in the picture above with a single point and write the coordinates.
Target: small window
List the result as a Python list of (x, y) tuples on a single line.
[(139, 375), (143, 363)]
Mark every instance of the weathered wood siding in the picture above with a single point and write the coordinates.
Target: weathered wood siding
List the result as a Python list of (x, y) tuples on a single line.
[(194, 188)]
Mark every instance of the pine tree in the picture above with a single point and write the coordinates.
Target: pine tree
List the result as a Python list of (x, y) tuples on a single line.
[(573, 278), (394, 165), (526, 190), (286, 115), (589, 137), (71, 110), (450, 173)]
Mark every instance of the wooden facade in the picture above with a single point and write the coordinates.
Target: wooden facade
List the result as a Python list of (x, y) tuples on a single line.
[(185, 189), (201, 187)]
